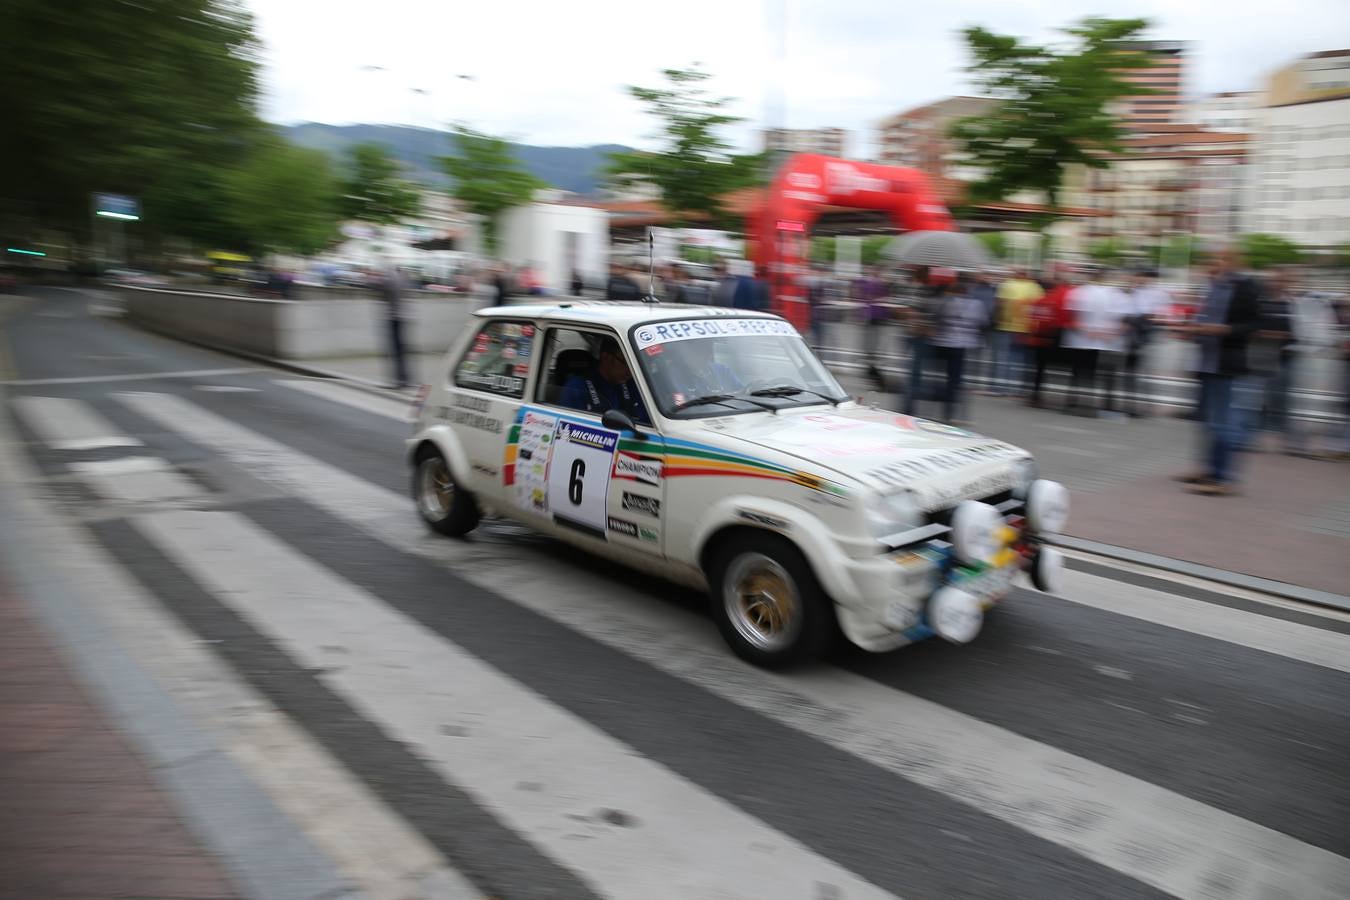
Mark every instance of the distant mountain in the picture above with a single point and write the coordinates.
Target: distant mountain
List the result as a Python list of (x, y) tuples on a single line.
[(577, 169)]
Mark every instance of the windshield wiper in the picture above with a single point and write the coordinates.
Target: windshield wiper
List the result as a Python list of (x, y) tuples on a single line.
[(719, 399), (789, 390)]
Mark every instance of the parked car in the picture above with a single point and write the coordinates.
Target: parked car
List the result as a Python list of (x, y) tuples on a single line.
[(710, 447)]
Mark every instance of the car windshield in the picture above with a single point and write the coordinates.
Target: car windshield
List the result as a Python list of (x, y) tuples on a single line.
[(727, 366)]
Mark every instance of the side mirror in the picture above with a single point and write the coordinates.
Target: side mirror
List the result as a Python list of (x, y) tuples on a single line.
[(618, 420)]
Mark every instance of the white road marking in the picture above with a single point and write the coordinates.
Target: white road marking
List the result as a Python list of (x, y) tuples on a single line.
[(374, 846), (329, 390), (1236, 626), (1122, 565), (140, 376), (66, 424), (1162, 838), (226, 389), (687, 842), (139, 479)]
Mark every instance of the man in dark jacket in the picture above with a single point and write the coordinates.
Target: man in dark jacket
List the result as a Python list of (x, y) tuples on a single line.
[(392, 287), (1223, 328), (621, 286)]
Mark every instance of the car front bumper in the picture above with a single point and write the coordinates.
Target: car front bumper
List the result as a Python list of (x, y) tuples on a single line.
[(896, 595)]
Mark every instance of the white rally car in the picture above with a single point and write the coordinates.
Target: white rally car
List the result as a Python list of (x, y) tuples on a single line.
[(710, 446)]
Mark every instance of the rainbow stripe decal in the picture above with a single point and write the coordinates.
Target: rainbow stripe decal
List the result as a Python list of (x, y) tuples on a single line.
[(682, 459)]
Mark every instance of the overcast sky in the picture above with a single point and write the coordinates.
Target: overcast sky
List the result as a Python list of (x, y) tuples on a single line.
[(553, 72)]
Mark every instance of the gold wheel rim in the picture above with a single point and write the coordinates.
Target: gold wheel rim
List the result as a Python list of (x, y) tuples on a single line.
[(762, 602)]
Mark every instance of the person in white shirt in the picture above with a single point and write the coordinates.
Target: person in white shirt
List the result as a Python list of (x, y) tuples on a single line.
[(1148, 301), (1096, 340)]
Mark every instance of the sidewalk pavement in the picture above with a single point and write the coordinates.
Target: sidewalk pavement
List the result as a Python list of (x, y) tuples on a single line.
[(1290, 524), (82, 815)]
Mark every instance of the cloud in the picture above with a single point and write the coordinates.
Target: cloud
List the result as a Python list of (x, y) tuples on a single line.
[(554, 73)]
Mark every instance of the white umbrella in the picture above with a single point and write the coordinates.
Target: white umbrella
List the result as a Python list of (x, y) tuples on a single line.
[(950, 249)]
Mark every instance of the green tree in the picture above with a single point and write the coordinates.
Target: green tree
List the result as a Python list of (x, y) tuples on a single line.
[(1177, 251), (283, 198), (147, 99), (1265, 250), (705, 255), (488, 178), (823, 250), (1053, 106), (373, 190), (873, 248), (694, 167), (996, 242), (1107, 251)]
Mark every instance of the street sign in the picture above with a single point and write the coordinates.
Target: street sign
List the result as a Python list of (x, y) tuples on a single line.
[(116, 206)]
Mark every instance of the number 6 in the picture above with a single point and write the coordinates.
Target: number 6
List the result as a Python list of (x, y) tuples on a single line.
[(574, 485)]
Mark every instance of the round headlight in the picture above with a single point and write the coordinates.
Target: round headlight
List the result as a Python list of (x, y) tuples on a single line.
[(975, 528), (1047, 506), (1024, 473), (888, 514)]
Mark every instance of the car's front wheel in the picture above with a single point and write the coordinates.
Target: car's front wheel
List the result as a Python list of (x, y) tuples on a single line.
[(767, 602), (443, 505)]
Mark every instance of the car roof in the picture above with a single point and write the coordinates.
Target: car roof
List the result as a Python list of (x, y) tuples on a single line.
[(615, 314)]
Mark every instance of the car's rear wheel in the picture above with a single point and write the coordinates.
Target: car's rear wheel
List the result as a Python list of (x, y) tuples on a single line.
[(767, 602), (443, 505)]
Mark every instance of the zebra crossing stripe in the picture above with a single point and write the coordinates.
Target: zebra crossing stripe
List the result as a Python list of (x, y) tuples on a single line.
[(1165, 839), (66, 424), (624, 823)]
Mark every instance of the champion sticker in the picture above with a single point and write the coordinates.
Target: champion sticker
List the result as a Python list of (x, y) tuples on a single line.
[(638, 468)]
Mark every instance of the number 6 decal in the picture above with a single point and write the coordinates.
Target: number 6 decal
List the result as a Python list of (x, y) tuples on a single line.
[(575, 483), (579, 470)]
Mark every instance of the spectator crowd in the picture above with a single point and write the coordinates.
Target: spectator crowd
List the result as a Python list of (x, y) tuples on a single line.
[(1253, 344)]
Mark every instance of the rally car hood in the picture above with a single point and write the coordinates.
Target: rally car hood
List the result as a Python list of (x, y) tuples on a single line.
[(882, 450)]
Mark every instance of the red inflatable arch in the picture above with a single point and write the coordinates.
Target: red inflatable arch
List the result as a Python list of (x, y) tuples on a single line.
[(780, 230)]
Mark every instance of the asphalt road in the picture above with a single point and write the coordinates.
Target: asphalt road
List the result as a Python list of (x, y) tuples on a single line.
[(504, 715)]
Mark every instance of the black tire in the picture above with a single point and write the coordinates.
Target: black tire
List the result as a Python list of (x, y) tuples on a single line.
[(812, 630), (454, 515)]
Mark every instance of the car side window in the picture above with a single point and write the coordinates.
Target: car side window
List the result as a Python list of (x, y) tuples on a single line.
[(588, 372), (498, 360), (567, 353)]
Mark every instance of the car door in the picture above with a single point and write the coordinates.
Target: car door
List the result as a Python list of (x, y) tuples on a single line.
[(591, 485), (486, 391)]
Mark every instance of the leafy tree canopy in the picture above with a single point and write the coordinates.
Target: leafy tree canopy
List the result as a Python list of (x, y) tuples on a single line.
[(488, 178), (1054, 105), (694, 167), (1265, 250), (284, 198), (148, 99), (373, 190)]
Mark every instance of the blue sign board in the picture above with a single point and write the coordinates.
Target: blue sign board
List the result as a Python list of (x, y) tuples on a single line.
[(116, 206)]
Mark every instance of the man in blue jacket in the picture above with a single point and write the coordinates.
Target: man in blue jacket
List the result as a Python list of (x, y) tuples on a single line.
[(609, 385), (1231, 313)]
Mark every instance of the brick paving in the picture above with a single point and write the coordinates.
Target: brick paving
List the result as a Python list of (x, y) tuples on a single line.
[(81, 816)]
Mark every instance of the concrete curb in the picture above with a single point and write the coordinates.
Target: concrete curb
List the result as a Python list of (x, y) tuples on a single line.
[(1311, 596)]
